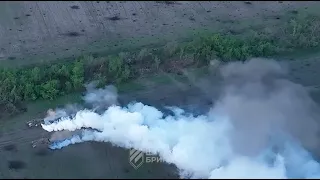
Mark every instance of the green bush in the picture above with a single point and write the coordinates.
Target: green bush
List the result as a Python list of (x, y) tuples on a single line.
[(50, 82)]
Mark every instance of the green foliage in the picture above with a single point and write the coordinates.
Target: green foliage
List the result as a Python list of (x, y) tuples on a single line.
[(143, 54), (126, 57), (171, 48), (50, 82), (157, 62), (118, 69), (49, 90), (302, 32), (228, 48), (77, 76)]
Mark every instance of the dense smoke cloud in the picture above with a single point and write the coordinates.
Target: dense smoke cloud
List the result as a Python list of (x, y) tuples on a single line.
[(254, 130), (261, 102)]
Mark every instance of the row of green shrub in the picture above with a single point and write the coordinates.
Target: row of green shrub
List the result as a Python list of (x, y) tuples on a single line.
[(51, 81)]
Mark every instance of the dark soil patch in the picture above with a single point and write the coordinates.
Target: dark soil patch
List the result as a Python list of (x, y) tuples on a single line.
[(233, 32), (72, 34), (16, 165), (74, 7), (192, 19), (114, 18), (10, 147), (167, 2), (126, 170), (294, 12), (42, 152)]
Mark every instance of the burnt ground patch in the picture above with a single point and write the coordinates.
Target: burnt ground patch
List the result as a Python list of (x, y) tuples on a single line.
[(16, 165), (294, 12), (42, 152), (192, 18), (74, 7), (10, 147), (115, 18), (167, 2), (72, 34)]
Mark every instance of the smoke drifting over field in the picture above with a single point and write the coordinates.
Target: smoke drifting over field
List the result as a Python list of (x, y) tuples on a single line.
[(256, 129)]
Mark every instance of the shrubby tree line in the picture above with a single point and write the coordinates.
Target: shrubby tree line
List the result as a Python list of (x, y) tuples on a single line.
[(50, 81)]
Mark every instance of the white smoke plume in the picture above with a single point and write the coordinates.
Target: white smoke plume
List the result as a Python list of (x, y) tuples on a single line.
[(102, 97), (99, 99), (53, 115), (258, 128)]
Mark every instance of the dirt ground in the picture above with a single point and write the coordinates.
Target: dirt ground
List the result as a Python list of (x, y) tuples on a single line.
[(42, 31), (102, 160)]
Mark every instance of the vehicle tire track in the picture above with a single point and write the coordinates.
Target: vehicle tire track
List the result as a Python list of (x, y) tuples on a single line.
[(17, 137)]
